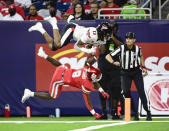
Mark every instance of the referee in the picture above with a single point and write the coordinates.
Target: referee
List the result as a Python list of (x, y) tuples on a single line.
[(131, 60)]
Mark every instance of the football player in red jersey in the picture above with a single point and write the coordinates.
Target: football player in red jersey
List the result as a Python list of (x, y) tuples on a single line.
[(85, 79)]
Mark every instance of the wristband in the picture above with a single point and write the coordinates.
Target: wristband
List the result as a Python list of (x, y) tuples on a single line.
[(100, 90), (92, 112), (113, 62)]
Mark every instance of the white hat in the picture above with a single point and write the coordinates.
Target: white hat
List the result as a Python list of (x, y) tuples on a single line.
[(132, 2)]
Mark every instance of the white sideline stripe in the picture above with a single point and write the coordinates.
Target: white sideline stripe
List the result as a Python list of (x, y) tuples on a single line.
[(102, 121), (102, 126)]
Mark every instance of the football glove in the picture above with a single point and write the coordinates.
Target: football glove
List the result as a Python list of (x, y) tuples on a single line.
[(104, 94), (97, 115)]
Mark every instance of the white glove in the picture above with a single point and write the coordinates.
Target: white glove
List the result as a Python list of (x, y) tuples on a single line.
[(42, 53)]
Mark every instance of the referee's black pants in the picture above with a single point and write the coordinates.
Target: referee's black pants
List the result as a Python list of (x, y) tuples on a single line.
[(126, 80)]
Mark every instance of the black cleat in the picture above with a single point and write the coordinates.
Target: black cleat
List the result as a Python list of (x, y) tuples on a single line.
[(149, 118), (115, 117), (136, 118)]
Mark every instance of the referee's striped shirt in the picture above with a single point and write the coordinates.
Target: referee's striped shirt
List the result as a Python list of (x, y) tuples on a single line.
[(129, 58)]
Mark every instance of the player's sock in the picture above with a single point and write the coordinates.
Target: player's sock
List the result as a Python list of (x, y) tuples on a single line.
[(37, 27), (52, 21)]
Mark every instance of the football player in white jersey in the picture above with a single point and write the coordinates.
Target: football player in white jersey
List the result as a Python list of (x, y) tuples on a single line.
[(83, 35)]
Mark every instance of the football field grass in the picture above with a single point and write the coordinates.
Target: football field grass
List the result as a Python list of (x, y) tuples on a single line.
[(80, 123)]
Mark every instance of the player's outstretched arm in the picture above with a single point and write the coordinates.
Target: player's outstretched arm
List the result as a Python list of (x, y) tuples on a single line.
[(78, 46), (98, 87), (116, 41), (89, 106), (42, 54)]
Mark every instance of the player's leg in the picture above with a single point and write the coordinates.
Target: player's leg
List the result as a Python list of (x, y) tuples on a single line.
[(53, 61), (114, 92), (57, 82), (67, 33), (39, 27), (103, 106), (103, 82), (55, 89), (42, 95), (57, 38)]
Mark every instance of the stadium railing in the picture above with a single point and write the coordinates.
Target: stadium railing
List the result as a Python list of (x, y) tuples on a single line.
[(148, 14)]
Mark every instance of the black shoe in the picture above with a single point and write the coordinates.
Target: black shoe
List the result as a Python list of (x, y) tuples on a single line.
[(115, 117), (136, 118), (149, 118), (103, 117), (121, 117)]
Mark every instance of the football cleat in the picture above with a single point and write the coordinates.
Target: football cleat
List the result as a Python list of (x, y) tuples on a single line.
[(27, 95), (136, 117), (36, 27), (149, 118), (42, 53), (51, 20)]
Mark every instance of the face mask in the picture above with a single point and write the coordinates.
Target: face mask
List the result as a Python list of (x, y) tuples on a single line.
[(12, 12)]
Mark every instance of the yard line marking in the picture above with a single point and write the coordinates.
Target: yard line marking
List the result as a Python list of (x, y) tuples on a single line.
[(102, 126), (100, 121)]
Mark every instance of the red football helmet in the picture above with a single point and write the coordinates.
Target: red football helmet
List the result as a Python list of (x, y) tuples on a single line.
[(94, 74)]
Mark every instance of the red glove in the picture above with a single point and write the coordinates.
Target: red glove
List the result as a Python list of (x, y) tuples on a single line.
[(104, 94), (97, 115)]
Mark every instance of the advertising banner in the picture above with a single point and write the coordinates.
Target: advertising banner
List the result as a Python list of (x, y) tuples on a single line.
[(157, 82)]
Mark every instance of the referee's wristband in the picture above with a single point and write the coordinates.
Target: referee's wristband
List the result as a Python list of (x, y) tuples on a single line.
[(113, 62)]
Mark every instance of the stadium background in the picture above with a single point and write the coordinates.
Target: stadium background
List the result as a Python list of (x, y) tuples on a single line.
[(18, 64)]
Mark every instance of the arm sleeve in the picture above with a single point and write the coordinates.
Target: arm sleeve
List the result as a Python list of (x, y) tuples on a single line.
[(140, 52), (87, 101), (88, 85), (115, 52)]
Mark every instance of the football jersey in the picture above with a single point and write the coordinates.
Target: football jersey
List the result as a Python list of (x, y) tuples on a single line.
[(87, 35), (78, 78)]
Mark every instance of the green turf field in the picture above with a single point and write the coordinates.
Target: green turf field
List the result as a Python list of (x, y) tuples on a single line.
[(82, 123)]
